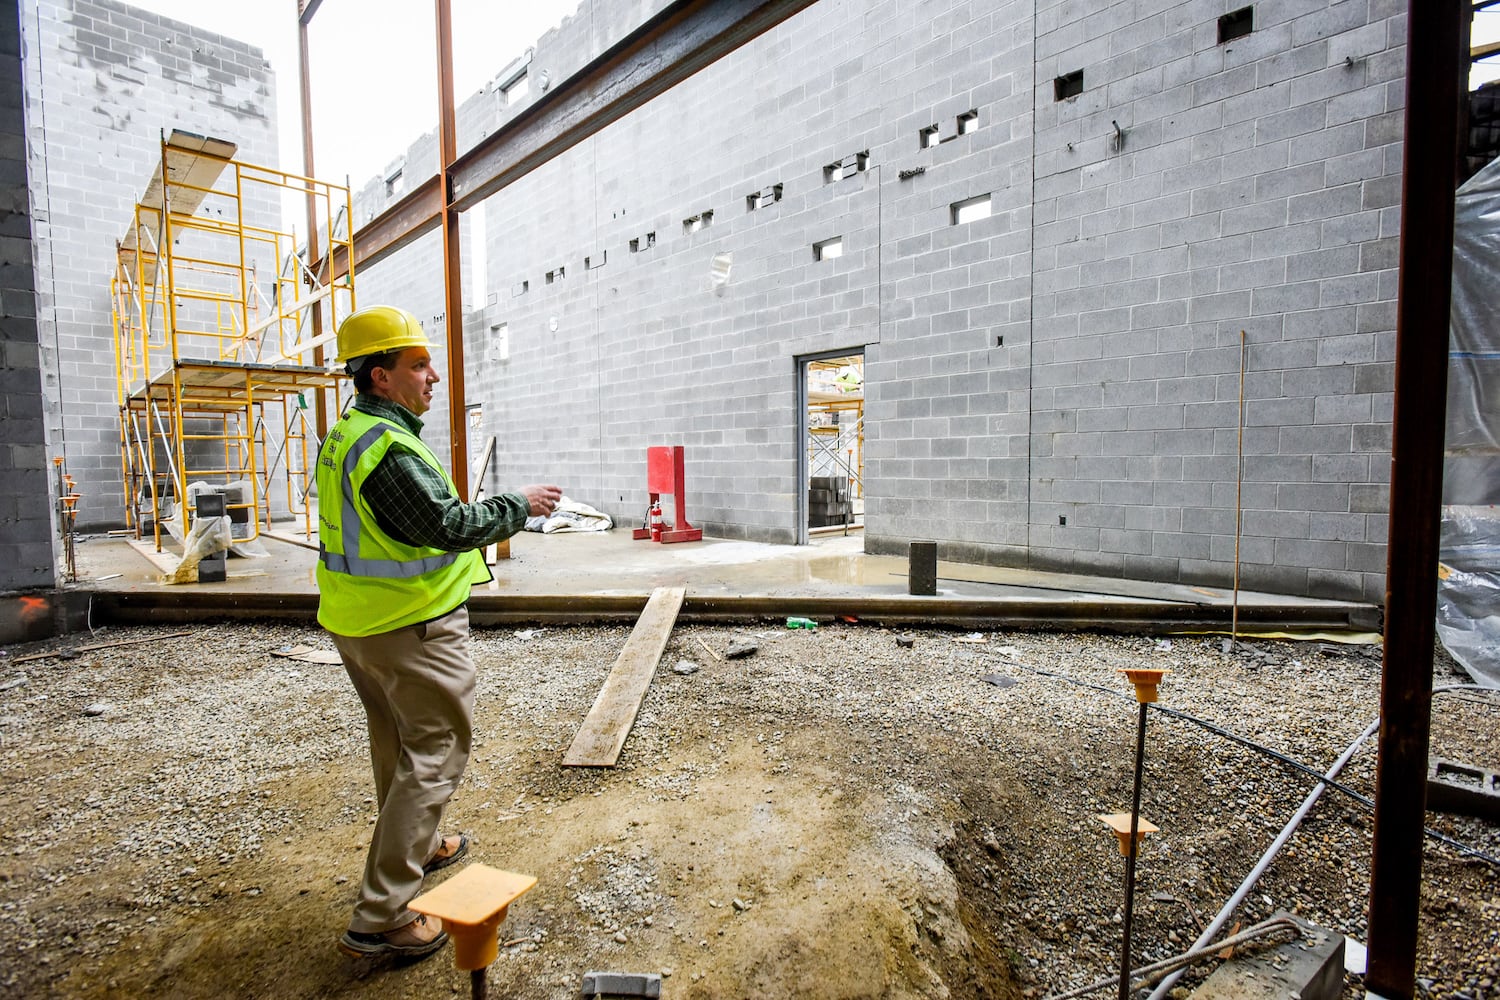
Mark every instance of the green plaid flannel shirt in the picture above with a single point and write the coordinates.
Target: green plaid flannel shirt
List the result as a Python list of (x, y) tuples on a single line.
[(412, 502)]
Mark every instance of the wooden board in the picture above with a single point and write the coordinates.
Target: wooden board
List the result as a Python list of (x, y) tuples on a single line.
[(602, 735)]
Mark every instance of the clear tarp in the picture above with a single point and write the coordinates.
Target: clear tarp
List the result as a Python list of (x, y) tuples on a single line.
[(1469, 584)]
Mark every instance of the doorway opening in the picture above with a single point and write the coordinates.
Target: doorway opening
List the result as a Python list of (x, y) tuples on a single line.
[(831, 400)]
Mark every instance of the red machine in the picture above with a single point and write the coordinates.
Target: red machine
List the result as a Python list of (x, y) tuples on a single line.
[(664, 477)]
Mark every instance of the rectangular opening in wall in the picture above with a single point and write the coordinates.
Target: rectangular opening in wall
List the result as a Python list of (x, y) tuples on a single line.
[(968, 121), (500, 342), (519, 289), (930, 136), (595, 261), (828, 249), (697, 222), (1236, 24), (395, 183), (1068, 85), (556, 275), (516, 90), (970, 209), (643, 243)]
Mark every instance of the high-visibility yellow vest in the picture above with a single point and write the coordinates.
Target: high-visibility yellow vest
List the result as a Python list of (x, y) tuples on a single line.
[(368, 581)]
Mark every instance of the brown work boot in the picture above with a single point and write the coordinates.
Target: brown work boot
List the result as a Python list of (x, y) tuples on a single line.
[(422, 936)]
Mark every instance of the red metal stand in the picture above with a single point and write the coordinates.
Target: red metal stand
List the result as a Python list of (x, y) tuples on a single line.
[(664, 477)]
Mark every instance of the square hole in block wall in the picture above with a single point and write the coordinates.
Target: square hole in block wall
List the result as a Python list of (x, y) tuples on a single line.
[(520, 289), (1068, 85), (930, 136), (1236, 24), (557, 275), (596, 260), (697, 222), (643, 243), (829, 248), (500, 342), (516, 90), (970, 209), (968, 122)]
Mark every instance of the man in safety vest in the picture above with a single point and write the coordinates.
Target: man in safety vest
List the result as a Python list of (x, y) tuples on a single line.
[(398, 553)]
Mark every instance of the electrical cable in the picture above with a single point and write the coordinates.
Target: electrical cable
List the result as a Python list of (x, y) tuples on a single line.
[(1150, 973), (1359, 797)]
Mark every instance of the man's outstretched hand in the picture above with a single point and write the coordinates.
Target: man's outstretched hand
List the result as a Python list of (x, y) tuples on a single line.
[(542, 497)]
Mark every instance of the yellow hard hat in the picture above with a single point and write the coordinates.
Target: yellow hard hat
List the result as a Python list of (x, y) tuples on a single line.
[(377, 329)]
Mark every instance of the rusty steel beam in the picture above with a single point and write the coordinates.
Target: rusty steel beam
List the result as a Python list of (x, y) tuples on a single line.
[(453, 285), (661, 53), (1435, 66), (667, 49)]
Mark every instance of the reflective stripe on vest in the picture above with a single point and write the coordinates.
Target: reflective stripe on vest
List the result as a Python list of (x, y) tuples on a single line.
[(350, 524)]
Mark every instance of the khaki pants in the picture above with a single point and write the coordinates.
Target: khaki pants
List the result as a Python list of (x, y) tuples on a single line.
[(417, 685)]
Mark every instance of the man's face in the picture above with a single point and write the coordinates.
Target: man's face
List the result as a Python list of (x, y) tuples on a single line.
[(409, 380)]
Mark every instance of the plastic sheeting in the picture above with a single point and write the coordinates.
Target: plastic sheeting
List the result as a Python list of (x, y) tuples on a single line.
[(1469, 588)]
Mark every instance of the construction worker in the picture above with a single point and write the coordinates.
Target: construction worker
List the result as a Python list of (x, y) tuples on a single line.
[(398, 554)]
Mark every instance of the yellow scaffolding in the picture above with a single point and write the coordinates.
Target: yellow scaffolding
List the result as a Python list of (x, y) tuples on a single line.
[(206, 347)]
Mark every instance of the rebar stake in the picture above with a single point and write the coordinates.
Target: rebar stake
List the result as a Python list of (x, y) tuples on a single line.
[(1145, 682), (472, 906)]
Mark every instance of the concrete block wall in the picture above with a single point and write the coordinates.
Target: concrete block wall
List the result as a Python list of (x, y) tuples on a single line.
[(103, 81), (1072, 357), (1251, 190), (27, 558)]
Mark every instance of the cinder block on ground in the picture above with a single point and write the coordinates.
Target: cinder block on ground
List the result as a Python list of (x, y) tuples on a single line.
[(621, 984), (1310, 966)]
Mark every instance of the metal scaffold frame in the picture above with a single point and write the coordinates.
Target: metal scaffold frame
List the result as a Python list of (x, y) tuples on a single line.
[(205, 349)]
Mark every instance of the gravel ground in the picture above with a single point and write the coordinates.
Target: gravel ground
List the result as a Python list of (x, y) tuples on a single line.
[(835, 815)]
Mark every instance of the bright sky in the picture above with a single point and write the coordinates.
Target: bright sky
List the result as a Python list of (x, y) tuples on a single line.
[(374, 66)]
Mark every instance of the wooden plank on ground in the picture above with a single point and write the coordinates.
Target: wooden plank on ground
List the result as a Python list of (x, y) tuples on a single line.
[(602, 735), (165, 561)]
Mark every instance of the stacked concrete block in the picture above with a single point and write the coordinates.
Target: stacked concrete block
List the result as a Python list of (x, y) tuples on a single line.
[(26, 526), (1056, 221), (103, 82), (1194, 189)]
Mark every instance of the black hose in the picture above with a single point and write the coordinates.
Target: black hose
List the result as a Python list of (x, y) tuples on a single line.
[(1245, 741)]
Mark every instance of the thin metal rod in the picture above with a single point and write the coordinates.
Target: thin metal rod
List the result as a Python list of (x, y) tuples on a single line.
[(1239, 486), (1135, 821), (1269, 856), (478, 988)]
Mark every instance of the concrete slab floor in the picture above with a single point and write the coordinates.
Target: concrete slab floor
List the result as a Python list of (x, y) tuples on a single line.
[(613, 564)]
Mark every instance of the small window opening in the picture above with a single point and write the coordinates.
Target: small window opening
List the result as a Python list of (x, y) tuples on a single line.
[(643, 243), (557, 275), (1068, 85), (1236, 24), (930, 136), (697, 222), (500, 342), (395, 183), (829, 249), (847, 167), (518, 290), (970, 209), (968, 122), (516, 90), (592, 263)]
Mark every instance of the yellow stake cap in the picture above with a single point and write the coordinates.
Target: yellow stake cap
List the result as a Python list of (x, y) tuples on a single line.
[(1120, 824), (472, 906), (1145, 682)]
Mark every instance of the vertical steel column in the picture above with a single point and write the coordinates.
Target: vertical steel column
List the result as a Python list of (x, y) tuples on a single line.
[(458, 440), (1434, 68), (305, 12)]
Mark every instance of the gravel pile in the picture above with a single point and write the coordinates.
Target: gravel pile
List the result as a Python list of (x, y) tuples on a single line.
[(184, 777)]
